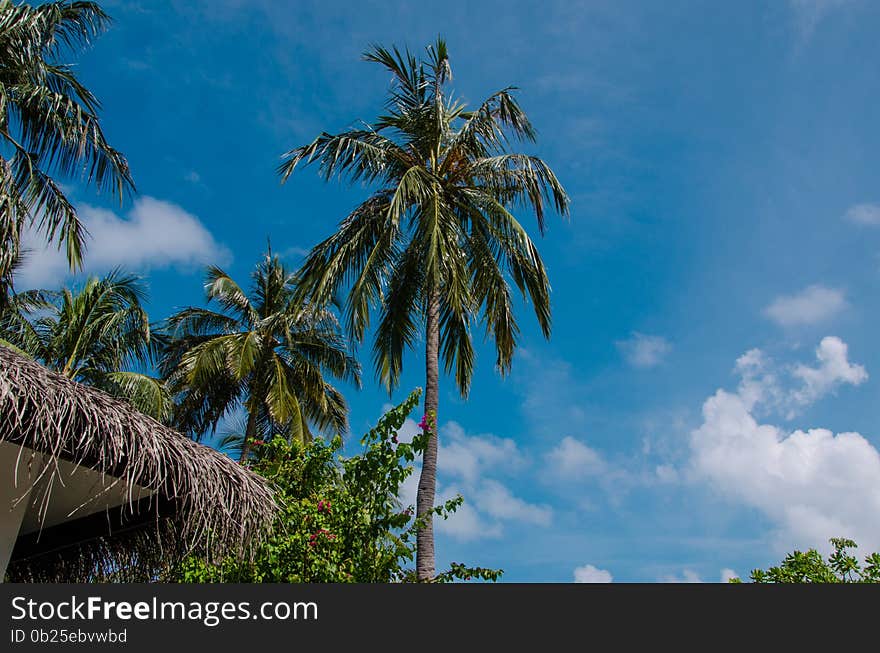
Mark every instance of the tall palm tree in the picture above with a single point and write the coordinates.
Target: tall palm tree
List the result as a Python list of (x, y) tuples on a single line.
[(435, 246), (262, 351), (98, 334), (49, 126)]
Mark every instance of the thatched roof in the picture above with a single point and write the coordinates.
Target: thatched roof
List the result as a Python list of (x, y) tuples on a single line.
[(213, 497)]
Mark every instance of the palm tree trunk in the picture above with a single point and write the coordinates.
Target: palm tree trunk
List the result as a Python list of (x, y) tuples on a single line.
[(250, 434), (428, 478)]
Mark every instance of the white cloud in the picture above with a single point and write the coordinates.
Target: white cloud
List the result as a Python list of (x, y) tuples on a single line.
[(468, 456), (812, 305), (467, 524), (812, 484), (833, 370), (727, 574), (193, 177), (687, 576), (868, 214), (573, 460), (759, 383), (469, 465), (591, 574), (154, 234), (496, 500), (763, 387), (642, 350)]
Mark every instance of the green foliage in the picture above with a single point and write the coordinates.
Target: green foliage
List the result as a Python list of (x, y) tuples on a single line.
[(98, 334), (262, 350), (49, 126), (340, 518), (809, 567)]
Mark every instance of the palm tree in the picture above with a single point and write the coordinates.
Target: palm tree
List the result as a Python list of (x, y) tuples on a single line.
[(95, 335), (435, 245), (49, 126), (264, 352)]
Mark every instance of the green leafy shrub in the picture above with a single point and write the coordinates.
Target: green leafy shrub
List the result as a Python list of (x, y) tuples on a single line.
[(340, 519), (840, 567)]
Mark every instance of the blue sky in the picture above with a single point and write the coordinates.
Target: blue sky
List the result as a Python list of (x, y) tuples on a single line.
[(708, 398)]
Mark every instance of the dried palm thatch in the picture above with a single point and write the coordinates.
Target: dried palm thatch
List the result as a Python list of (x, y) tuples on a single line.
[(219, 507)]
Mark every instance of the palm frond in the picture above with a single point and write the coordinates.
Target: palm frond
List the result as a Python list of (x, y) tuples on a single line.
[(220, 287), (147, 394), (50, 126)]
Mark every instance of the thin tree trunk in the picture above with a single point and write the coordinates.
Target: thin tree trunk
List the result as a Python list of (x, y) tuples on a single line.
[(250, 434), (428, 478)]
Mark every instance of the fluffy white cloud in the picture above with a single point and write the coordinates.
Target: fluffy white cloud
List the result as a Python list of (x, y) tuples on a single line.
[(811, 305), (469, 465), (573, 460), (759, 383), (833, 370), (687, 576), (641, 350), (591, 574), (762, 385), (496, 500), (468, 456), (727, 574), (487, 507), (467, 524), (864, 214), (154, 234), (811, 483)]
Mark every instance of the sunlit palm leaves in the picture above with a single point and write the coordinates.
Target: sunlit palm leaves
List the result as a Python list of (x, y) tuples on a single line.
[(441, 220), (49, 126), (98, 334), (262, 352)]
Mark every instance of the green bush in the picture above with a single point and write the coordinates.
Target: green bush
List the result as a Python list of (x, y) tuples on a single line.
[(340, 518), (840, 567)]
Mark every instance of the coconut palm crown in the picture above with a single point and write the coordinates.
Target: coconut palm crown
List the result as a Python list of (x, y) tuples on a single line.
[(98, 334), (436, 247), (262, 351)]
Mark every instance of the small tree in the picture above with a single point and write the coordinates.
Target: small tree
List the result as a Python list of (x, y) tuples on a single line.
[(340, 518), (840, 567)]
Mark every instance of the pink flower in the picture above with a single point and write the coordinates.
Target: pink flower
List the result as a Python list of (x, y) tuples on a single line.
[(424, 423)]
